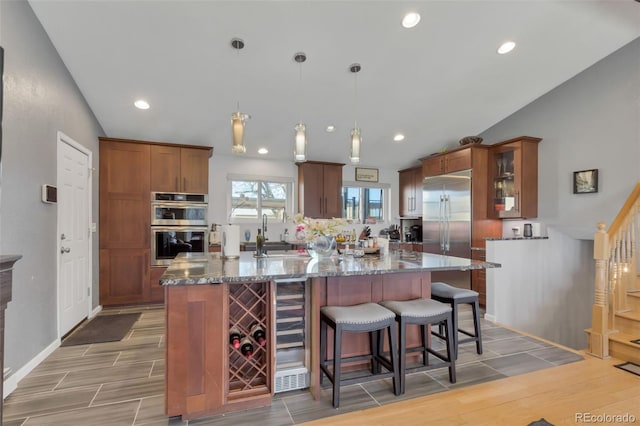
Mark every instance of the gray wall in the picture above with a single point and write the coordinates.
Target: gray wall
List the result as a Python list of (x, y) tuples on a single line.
[(592, 121), (40, 98)]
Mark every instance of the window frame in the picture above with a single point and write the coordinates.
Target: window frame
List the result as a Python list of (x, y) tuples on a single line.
[(231, 177), (386, 202)]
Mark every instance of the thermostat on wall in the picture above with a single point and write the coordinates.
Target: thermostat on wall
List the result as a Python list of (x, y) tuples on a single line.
[(49, 194)]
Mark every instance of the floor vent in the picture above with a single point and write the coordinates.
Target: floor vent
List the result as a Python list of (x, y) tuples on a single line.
[(290, 379)]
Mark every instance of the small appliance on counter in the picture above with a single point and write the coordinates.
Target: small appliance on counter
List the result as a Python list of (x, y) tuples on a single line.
[(394, 233)]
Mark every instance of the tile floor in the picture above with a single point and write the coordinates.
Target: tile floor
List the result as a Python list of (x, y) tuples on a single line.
[(122, 383)]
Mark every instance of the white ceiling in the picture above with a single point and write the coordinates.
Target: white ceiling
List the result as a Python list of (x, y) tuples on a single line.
[(436, 83)]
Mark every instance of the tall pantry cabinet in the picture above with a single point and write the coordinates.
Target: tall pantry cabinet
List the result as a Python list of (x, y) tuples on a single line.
[(129, 172), (125, 220)]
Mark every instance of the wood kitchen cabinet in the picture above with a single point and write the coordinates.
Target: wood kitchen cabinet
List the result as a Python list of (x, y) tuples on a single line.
[(319, 189), (128, 169), (124, 222), (513, 167), (205, 374), (178, 169), (410, 182), (452, 161)]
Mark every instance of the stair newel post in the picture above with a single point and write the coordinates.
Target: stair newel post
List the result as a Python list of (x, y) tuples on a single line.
[(599, 339)]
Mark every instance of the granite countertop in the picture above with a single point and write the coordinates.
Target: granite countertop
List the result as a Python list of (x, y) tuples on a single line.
[(212, 268)]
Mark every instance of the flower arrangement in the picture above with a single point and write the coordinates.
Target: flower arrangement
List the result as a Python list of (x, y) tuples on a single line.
[(314, 228)]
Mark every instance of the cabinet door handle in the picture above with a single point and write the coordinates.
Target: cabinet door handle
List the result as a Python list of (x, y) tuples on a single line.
[(517, 194)]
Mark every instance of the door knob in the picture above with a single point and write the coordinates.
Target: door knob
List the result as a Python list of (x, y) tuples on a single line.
[(64, 250)]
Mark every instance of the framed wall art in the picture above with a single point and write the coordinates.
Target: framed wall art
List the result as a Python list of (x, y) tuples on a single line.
[(585, 181), (366, 175)]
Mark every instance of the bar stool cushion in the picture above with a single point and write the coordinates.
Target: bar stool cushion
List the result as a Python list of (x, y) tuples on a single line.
[(365, 313), (417, 308), (447, 291)]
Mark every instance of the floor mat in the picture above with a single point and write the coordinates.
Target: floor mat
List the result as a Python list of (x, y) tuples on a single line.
[(103, 328), (631, 367)]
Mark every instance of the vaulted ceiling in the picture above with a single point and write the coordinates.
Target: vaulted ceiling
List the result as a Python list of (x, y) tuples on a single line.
[(435, 83)]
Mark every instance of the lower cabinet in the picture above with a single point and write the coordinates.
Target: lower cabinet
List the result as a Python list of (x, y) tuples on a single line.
[(205, 373), (156, 291), (479, 277), (124, 276)]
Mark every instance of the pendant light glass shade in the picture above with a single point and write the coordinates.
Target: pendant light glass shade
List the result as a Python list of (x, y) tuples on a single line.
[(237, 130), (356, 141), (356, 136), (238, 118), (300, 140), (300, 152)]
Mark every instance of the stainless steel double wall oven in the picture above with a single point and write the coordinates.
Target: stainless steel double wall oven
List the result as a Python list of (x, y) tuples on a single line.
[(178, 224)]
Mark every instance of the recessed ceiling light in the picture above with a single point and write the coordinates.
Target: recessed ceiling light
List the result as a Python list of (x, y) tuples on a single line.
[(506, 47), (263, 151), (398, 137), (411, 19), (141, 104), (331, 129)]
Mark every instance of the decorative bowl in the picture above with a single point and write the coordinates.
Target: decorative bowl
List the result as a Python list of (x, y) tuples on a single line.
[(470, 139)]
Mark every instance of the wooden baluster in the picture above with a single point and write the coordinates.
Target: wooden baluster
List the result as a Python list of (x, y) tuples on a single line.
[(599, 341)]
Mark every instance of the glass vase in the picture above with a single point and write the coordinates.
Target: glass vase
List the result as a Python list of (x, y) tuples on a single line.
[(321, 246)]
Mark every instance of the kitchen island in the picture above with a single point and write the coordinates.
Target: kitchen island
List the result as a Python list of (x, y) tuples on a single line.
[(208, 298)]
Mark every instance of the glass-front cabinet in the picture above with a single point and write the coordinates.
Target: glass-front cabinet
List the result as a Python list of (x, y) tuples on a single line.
[(513, 165)]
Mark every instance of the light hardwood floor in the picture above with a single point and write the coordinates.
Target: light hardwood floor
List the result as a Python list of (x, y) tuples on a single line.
[(562, 395)]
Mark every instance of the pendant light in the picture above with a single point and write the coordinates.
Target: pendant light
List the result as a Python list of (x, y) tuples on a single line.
[(300, 143), (238, 118), (356, 135)]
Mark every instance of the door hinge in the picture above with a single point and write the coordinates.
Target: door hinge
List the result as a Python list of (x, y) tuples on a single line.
[(88, 291)]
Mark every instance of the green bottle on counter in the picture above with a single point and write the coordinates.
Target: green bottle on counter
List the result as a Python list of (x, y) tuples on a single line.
[(259, 243)]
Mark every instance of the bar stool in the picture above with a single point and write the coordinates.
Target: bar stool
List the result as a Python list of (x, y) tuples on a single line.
[(423, 312), (366, 317), (454, 296)]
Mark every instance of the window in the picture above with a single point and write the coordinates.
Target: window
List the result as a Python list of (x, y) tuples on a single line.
[(364, 203), (250, 198)]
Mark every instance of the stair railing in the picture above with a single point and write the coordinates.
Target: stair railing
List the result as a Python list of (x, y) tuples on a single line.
[(616, 258)]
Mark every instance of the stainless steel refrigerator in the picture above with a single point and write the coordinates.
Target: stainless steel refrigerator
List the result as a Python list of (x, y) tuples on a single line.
[(446, 222)]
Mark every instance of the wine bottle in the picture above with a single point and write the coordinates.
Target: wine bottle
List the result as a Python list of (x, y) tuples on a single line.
[(258, 334), (246, 348), (234, 337), (259, 243)]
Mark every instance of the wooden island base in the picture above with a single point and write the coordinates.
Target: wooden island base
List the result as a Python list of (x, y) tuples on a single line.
[(206, 375)]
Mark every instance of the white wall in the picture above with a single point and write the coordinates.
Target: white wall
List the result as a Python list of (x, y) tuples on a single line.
[(590, 122), (550, 297), (221, 166)]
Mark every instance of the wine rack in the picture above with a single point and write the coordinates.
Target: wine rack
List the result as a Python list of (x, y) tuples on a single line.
[(249, 304)]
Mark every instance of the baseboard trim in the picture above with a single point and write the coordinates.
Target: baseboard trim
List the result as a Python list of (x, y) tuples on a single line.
[(490, 317), (12, 381), (95, 311)]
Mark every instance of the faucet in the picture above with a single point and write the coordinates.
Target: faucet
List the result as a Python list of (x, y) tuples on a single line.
[(264, 227)]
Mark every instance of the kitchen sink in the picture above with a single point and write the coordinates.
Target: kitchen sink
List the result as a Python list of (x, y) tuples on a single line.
[(287, 253), (269, 246)]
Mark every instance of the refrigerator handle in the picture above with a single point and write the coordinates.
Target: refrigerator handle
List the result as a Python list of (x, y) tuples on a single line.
[(441, 219), (447, 223)]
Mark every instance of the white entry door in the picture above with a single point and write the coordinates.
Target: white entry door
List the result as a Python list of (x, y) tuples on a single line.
[(74, 233)]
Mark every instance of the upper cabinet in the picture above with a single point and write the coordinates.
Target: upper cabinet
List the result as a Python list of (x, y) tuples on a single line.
[(513, 167), (319, 189), (454, 161), (410, 182), (177, 169)]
